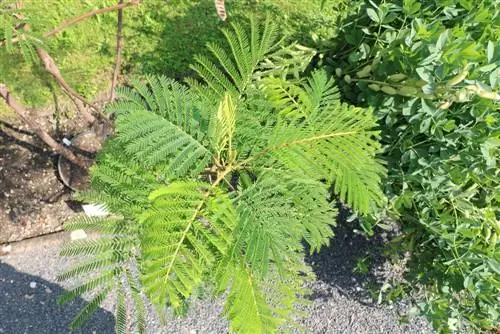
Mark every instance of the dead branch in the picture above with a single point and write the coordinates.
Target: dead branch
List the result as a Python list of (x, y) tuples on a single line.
[(119, 46), (44, 136)]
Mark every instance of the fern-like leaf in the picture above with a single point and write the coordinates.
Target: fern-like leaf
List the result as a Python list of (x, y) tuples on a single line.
[(224, 182), (89, 309), (253, 56), (256, 305), (121, 311), (185, 230), (138, 303), (330, 141), (246, 305), (105, 281)]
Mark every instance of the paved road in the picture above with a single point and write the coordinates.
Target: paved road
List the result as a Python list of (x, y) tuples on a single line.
[(28, 290)]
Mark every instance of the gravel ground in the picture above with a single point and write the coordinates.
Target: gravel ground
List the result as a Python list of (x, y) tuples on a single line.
[(340, 301)]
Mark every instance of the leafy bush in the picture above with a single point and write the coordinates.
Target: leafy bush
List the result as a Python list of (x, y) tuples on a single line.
[(431, 69), (218, 186)]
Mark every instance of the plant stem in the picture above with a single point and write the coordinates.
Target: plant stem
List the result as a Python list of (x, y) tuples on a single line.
[(91, 13), (34, 126), (119, 46), (197, 211)]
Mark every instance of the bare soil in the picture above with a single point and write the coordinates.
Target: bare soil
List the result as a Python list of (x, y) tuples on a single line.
[(33, 200), (73, 176)]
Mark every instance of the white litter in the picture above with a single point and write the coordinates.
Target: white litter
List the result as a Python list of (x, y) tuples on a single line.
[(78, 235), (6, 249), (95, 210), (33, 285)]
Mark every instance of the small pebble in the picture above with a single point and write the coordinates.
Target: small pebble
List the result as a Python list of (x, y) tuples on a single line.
[(47, 290)]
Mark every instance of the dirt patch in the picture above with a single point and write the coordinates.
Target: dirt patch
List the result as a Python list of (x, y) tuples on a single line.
[(33, 201)]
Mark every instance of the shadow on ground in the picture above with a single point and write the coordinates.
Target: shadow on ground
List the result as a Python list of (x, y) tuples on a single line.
[(24, 309), (31, 195), (179, 30), (348, 263)]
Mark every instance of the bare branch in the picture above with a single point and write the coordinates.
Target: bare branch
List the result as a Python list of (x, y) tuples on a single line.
[(74, 20), (47, 139), (91, 13), (119, 46), (51, 67)]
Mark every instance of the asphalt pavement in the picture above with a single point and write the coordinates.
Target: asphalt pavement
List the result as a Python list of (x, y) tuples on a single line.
[(340, 300)]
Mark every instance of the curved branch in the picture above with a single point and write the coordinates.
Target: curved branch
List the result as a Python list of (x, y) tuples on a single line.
[(74, 20), (35, 127)]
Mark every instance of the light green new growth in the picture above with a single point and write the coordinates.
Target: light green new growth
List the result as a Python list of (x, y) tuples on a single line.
[(217, 185)]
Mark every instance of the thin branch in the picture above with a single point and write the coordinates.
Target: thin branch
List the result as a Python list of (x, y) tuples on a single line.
[(35, 127), (91, 13), (119, 46), (51, 67), (74, 20)]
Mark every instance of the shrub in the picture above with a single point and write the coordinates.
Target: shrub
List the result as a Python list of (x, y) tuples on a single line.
[(431, 70), (218, 186)]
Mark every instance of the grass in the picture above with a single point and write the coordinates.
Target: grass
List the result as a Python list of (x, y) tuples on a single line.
[(164, 39), (160, 37)]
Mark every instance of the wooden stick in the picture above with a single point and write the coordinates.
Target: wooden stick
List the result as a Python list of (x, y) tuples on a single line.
[(44, 136), (119, 46)]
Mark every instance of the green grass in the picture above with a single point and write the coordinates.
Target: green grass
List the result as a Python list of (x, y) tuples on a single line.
[(160, 37), (164, 39)]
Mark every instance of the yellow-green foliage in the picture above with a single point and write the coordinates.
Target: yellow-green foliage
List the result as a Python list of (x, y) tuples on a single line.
[(221, 184)]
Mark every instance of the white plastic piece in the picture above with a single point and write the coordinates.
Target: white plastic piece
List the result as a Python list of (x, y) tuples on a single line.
[(78, 235), (33, 285), (95, 210), (66, 142), (6, 249)]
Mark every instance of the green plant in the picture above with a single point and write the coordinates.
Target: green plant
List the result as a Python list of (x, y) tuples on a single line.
[(217, 186), (431, 71)]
